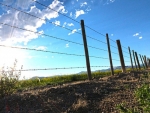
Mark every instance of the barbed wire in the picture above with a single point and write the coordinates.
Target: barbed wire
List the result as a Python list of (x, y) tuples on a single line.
[(41, 33), (67, 16), (112, 40), (97, 48), (50, 51), (126, 52), (115, 59), (98, 57), (125, 47), (126, 56), (114, 47), (46, 69), (115, 53), (41, 50), (97, 40)]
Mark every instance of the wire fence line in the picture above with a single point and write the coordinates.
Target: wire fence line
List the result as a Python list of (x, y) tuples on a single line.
[(51, 36), (59, 25), (65, 40), (53, 68)]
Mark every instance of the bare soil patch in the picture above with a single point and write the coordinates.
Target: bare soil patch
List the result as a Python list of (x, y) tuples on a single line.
[(96, 96)]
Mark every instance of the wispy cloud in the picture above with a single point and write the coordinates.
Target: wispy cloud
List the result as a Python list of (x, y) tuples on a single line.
[(71, 14), (70, 24), (73, 31), (112, 34), (57, 23), (67, 45), (41, 48), (64, 24), (78, 13), (83, 4), (136, 34)]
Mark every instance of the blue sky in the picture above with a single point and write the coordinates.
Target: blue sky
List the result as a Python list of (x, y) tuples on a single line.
[(122, 19)]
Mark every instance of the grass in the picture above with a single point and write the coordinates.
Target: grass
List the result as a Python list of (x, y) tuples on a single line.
[(142, 95), (58, 80)]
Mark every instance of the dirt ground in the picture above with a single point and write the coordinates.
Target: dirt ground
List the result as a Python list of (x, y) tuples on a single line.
[(97, 96)]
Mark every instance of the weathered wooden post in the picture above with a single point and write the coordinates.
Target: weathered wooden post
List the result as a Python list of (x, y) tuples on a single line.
[(86, 51), (145, 61), (131, 58), (121, 56), (142, 61), (134, 59), (109, 53), (137, 61), (148, 62)]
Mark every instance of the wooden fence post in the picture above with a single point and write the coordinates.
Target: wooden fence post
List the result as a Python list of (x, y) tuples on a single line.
[(145, 61), (121, 56), (134, 59), (148, 62), (137, 60), (109, 53), (142, 61), (131, 58), (86, 51)]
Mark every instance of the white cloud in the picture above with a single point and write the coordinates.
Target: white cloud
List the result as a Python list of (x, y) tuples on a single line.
[(136, 34), (112, 1), (64, 24), (70, 24), (11, 35), (88, 9), (67, 45), (73, 31), (78, 13), (83, 4), (57, 23), (71, 14), (41, 48), (140, 37), (112, 34)]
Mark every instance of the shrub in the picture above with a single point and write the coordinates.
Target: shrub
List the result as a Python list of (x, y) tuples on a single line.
[(9, 80)]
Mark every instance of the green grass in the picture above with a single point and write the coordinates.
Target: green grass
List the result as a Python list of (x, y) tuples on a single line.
[(58, 80), (142, 95)]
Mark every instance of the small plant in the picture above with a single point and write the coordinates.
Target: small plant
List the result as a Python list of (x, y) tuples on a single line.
[(123, 109), (142, 96), (8, 80)]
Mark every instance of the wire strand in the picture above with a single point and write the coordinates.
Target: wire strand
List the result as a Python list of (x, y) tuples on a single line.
[(97, 40), (40, 50), (41, 34), (44, 69), (126, 52), (113, 46), (50, 51), (125, 47)]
